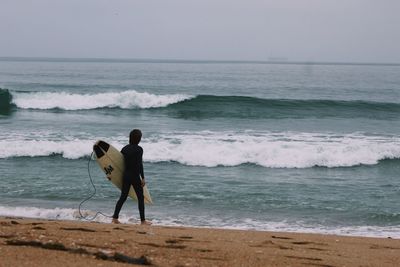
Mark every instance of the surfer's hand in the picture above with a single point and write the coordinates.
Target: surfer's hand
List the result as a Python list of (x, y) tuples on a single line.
[(143, 182)]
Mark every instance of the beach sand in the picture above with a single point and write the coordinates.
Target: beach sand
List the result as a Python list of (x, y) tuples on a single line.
[(33, 242)]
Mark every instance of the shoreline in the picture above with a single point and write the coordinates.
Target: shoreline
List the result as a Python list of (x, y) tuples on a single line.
[(71, 214), (350, 231), (43, 242)]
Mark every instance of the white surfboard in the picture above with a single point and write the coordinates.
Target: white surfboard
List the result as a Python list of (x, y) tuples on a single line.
[(111, 161)]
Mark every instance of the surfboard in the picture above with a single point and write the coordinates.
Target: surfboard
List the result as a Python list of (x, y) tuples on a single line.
[(111, 161)]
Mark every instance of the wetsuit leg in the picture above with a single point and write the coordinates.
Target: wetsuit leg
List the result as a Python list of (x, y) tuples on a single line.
[(124, 195), (139, 193)]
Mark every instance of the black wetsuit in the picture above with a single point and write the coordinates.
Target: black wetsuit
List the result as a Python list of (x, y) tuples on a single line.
[(133, 170)]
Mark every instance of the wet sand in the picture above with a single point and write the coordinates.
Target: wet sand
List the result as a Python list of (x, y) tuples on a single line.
[(33, 242)]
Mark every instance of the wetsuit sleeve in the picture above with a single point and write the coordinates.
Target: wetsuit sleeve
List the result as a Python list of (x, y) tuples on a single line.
[(123, 152), (141, 163)]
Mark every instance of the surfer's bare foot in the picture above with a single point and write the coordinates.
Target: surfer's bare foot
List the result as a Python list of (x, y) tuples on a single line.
[(145, 223), (116, 221)]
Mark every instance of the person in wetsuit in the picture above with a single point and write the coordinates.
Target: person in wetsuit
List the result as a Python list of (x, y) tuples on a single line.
[(133, 154)]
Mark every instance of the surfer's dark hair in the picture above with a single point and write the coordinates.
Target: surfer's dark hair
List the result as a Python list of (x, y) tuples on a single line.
[(135, 136)]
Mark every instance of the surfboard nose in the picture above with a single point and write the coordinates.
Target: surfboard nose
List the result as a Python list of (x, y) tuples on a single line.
[(100, 148)]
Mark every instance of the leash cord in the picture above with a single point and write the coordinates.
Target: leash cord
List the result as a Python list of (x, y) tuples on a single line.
[(89, 197)]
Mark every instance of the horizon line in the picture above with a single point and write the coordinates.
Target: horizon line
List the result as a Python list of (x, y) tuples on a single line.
[(204, 61)]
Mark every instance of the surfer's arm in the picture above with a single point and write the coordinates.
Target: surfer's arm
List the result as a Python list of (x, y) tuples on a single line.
[(142, 174), (141, 164)]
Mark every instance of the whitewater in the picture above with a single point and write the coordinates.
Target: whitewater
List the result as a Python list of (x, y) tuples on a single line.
[(271, 150), (67, 101)]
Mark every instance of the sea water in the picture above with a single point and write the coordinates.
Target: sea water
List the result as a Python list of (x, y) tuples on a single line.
[(281, 147)]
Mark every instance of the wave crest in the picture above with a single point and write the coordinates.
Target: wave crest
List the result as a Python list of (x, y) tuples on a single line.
[(67, 101), (5, 101), (203, 106), (210, 106)]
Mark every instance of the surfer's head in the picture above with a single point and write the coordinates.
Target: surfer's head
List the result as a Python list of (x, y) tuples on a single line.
[(135, 136)]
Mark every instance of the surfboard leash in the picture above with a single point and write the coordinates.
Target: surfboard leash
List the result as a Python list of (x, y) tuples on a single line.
[(89, 197)]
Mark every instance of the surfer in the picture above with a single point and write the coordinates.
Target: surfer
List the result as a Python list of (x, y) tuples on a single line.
[(133, 154)]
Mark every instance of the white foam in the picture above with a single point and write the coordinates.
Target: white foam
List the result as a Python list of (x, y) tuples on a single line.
[(211, 149), (34, 212), (55, 214), (283, 150), (72, 149), (68, 101), (276, 226)]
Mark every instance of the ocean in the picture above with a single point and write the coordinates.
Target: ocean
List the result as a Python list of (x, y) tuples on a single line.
[(241, 145)]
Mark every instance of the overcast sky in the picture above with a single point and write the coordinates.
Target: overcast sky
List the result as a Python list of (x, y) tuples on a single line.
[(298, 30)]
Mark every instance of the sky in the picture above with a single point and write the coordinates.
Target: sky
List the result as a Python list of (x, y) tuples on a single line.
[(292, 30)]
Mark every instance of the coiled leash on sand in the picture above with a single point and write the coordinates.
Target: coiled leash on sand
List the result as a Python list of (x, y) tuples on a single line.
[(89, 197)]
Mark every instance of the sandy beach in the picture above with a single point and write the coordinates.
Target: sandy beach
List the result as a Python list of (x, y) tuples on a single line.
[(33, 242)]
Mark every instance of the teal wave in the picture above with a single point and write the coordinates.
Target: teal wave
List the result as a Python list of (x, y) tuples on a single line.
[(246, 107), (209, 106), (5, 102)]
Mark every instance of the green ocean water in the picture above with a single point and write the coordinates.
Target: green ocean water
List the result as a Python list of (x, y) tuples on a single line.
[(288, 147)]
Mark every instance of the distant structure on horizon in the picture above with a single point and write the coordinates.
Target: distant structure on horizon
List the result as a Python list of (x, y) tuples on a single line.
[(278, 59)]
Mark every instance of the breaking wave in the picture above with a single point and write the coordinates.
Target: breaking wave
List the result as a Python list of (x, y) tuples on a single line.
[(212, 149), (201, 106), (67, 101), (5, 101)]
